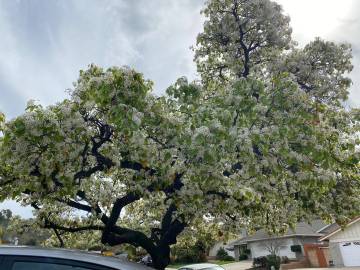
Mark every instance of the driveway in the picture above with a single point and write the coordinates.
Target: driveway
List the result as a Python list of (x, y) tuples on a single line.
[(232, 266), (332, 268)]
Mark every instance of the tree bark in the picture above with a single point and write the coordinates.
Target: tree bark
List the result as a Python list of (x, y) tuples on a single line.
[(160, 254), (161, 257)]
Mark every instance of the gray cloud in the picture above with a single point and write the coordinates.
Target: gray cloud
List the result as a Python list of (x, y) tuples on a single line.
[(44, 43), (349, 31)]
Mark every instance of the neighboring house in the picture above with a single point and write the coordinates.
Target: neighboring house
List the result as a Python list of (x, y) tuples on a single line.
[(221, 244), (329, 229), (344, 244), (262, 244)]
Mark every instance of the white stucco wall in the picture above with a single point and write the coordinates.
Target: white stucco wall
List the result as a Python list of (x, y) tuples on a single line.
[(350, 233), (259, 248)]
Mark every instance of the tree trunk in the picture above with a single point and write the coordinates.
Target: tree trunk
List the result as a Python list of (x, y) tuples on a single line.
[(160, 257), (159, 252)]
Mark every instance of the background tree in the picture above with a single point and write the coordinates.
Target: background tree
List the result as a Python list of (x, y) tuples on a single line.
[(257, 150), (5, 217), (203, 234), (26, 231), (273, 246)]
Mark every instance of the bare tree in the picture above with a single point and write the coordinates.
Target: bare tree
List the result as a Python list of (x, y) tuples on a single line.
[(273, 245)]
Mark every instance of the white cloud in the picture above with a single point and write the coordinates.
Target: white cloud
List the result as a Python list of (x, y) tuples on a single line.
[(312, 18), (45, 43)]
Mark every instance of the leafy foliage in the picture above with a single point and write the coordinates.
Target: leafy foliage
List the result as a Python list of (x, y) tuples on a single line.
[(240, 35), (260, 262), (5, 217), (204, 231), (142, 168), (273, 260), (266, 262), (26, 231), (222, 255), (192, 254)]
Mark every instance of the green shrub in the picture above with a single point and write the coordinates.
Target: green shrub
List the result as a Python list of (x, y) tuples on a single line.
[(260, 262), (221, 254), (185, 255), (230, 258), (265, 262), (273, 260), (295, 248), (194, 254)]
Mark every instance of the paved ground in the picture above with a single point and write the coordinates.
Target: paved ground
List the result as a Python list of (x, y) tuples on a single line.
[(332, 268), (238, 265), (232, 266), (247, 264)]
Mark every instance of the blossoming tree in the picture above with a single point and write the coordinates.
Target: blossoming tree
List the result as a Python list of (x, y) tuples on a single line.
[(263, 141)]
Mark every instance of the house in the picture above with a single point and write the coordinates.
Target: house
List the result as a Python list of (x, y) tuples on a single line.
[(224, 243), (344, 244), (221, 244), (262, 244)]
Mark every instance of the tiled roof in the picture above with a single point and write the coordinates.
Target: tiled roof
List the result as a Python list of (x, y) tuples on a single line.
[(329, 228), (338, 229), (301, 229)]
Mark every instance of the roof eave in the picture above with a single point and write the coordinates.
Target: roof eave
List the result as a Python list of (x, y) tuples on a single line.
[(340, 229), (274, 238)]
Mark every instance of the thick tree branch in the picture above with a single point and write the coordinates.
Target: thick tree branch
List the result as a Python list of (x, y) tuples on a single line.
[(170, 228), (246, 51), (119, 235), (76, 205), (167, 218), (51, 225), (116, 210), (169, 237)]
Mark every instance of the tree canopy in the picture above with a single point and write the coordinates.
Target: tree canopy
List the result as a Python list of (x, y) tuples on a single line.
[(264, 141), (5, 217)]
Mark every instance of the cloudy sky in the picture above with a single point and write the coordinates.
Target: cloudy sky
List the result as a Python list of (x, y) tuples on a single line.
[(44, 43)]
